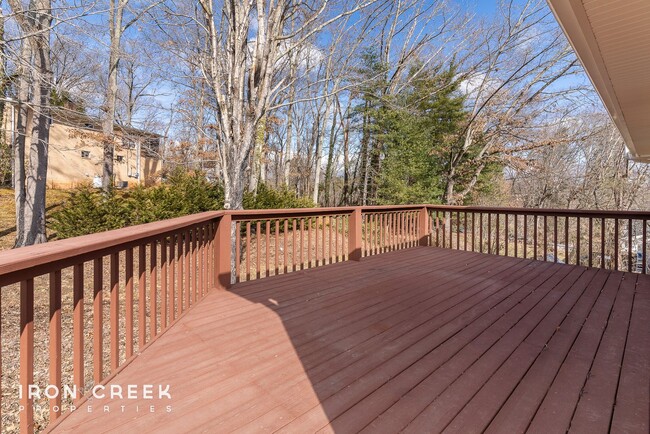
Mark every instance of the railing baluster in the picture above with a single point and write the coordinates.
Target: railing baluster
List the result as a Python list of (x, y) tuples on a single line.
[(211, 254), (451, 229), (294, 257), (393, 233), (195, 259), (331, 241), (199, 261), (535, 233), (129, 302), (285, 238), (302, 243), (26, 354), (181, 274), (55, 342), (437, 229), (554, 238), (545, 238), (336, 241), (497, 234), (98, 320), (525, 240), (505, 235), (277, 246), (115, 310), (187, 262), (248, 251), (616, 234), (465, 231), (516, 217), (457, 230), (164, 283), (443, 229), (78, 326), (209, 265), (267, 248), (238, 226), (602, 243), (405, 230), (203, 272), (258, 249), (142, 295), (566, 240), (309, 222), (644, 259), (480, 232), (316, 240), (172, 278), (629, 245), (489, 234), (373, 234), (591, 241), (323, 244), (153, 285), (578, 258)]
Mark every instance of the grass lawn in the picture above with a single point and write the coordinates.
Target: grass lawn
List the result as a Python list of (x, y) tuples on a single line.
[(54, 198)]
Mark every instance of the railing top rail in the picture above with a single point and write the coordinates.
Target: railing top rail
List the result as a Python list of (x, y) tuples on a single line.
[(547, 211), (32, 261)]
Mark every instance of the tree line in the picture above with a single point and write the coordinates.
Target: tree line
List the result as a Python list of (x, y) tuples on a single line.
[(344, 102)]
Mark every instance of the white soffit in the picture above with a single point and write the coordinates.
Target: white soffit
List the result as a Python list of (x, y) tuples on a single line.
[(612, 40)]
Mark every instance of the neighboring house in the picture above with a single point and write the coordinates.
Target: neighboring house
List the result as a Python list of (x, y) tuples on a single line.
[(76, 152)]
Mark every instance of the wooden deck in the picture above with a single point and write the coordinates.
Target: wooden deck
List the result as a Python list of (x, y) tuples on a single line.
[(420, 340)]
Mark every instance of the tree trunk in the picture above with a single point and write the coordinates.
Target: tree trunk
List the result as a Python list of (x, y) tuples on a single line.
[(19, 144), (116, 13), (345, 195), (318, 157), (30, 182), (330, 160), (258, 151)]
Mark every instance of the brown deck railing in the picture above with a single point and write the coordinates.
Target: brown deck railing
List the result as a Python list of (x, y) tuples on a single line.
[(615, 240), (88, 305)]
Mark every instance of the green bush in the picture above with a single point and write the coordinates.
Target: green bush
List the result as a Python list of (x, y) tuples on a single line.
[(89, 210), (183, 193), (269, 198)]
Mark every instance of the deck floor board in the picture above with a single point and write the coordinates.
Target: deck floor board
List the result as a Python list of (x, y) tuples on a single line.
[(421, 339)]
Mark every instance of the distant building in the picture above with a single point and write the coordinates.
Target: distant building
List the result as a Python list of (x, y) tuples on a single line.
[(76, 153)]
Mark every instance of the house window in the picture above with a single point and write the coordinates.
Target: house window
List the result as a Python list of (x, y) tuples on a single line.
[(120, 158), (85, 154)]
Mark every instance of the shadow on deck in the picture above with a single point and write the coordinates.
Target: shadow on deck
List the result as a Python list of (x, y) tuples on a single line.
[(423, 339)]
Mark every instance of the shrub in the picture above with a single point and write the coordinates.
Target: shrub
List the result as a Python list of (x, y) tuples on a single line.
[(87, 211), (183, 193), (269, 198)]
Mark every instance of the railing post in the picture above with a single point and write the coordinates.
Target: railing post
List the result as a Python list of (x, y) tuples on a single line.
[(354, 235), (424, 226), (223, 252)]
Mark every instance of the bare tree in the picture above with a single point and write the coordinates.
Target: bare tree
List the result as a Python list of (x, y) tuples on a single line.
[(117, 28), (34, 74), (513, 84), (240, 66)]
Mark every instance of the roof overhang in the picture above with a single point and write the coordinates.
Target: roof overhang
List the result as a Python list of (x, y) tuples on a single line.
[(612, 40)]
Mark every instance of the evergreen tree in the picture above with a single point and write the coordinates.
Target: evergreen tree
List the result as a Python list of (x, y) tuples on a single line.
[(422, 122)]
